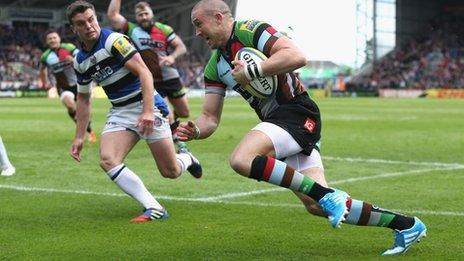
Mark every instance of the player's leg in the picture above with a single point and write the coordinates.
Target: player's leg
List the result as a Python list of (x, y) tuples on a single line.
[(254, 157), (7, 169), (169, 163), (361, 213), (118, 138)]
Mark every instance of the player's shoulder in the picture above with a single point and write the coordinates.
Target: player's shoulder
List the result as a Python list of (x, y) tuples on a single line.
[(45, 54), (68, 46), (249, 26), (110, 37), (163, 27)]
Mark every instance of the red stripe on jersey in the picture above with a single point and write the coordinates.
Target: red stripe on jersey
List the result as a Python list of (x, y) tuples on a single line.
[(271, 30), (269, 168), (214, 83), (234, 48)]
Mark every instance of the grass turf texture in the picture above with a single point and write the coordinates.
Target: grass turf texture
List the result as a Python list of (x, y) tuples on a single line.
[(45, 212)]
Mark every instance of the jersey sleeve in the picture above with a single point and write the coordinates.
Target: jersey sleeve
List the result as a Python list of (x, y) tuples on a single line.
[(212, 82), (43, 57), (120, 47), (167, 30), (258, 34), (83, 81)]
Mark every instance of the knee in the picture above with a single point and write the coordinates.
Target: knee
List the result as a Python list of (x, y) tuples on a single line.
[(240, 164), (171, 172), (107, 163)]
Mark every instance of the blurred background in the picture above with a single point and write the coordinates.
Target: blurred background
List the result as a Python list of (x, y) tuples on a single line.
[(387, 48)]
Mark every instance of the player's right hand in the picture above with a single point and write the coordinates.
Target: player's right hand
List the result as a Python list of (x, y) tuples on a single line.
[(187, 131), (76, 149)]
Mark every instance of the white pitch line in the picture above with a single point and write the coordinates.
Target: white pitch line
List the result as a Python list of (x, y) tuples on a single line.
[(336, 182), (244, 203), (383, 161)]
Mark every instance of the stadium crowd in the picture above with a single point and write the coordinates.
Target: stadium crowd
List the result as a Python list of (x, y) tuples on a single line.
[(433, 60), (21, 46)]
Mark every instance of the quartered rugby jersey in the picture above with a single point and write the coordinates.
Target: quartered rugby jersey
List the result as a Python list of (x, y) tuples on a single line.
[(104, 64), (62, 69), (153, 44), (218, 71)]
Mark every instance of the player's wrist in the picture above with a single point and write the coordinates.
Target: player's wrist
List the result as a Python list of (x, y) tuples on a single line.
[(253, 71), (196, 132)]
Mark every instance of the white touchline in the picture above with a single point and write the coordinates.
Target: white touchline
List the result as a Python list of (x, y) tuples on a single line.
[(224, 197), (335, 182), (246, 203)]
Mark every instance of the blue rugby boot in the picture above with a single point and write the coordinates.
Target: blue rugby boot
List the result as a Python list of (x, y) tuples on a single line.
[(404, 239), (334, 205), (150, 214)]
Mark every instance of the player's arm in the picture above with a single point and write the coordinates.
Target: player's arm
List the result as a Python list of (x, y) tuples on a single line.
[(116, 19), (82, 121), (179, 49), (208, 121), (285, 57), (43, 76), (136, 65)]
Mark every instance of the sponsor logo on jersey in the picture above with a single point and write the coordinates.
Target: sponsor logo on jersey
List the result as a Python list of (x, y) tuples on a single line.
[(250, 25), (151, 43), (102, 74), (123, 46), (310, 125)]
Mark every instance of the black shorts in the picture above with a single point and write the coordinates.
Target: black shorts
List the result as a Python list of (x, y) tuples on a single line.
[(171, 88), (72, 89), (302, 119)]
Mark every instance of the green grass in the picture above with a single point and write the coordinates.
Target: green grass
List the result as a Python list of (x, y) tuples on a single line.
[(44, 213)]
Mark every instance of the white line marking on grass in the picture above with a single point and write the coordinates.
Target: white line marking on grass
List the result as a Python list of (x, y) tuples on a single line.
[(383, 161), (243, 203), (335, 182)]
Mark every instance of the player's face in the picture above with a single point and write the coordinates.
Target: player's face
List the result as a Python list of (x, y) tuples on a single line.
[(144, 16), (207, 27), (53, 40), (86, 26)]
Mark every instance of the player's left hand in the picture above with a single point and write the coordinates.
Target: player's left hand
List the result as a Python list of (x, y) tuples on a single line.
[(76, 148), (167, 60), (146, 123), (238, 74)]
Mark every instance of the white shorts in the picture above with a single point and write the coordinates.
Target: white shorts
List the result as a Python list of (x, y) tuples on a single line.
[(125, 118), (286, 147)]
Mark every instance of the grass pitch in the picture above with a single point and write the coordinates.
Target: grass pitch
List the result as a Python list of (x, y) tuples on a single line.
[(405, 155)]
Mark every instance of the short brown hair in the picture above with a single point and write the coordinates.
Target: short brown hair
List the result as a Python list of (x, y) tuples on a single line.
[(77, 7), (142, 5)]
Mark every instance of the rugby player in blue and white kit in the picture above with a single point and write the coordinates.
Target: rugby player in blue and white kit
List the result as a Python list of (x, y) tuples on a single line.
[(109, 59)]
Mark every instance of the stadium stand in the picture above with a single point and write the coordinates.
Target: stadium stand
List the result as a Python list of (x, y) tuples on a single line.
[(434, 59)]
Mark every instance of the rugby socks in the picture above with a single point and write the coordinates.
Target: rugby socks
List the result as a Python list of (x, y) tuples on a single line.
[(130, 183), (4, 161), (279, 173), (365, 214), (184, 161)]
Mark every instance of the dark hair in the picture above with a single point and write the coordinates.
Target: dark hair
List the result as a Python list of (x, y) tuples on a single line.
[(50, 31), (77, 7)]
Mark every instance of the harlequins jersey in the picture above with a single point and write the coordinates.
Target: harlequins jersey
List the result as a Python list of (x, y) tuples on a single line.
[(55, 60), (153, 44), (218, 71)]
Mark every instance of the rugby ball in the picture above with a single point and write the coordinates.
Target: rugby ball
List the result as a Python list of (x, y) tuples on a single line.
[(263, 87)]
